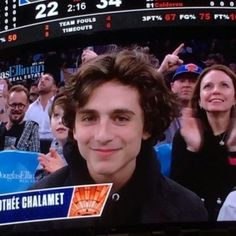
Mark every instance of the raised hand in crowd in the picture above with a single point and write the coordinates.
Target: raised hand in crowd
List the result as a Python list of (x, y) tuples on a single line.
[(87, 55), (171, 61), (51, 161), (191, 130)]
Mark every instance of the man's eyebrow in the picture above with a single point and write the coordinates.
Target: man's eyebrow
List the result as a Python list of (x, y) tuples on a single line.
[(115, 111), (86, 111), (122, 111)]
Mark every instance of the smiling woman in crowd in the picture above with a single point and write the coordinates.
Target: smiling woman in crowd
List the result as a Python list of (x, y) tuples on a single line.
[(204, 148)]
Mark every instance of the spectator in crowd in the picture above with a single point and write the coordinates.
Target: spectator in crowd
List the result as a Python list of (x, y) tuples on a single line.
[(232, 66), (33, 92), (54, 160), (66, 74), (228, 209), (17, 133), (120, 107), (5, 85), (214, 58), (171, 61), (91, 52), (38, 110), (182, 84), (201, 148), (61, 87), (88, 54)]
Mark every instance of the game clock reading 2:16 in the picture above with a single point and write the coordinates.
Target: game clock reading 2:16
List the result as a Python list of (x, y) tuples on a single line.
[(77, 7), (102, 4)]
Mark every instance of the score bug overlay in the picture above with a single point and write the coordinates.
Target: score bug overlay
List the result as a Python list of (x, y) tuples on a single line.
[(54, 203), (84, 17)]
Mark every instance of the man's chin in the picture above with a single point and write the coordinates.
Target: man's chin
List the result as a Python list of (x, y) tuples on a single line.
[(16, 121)]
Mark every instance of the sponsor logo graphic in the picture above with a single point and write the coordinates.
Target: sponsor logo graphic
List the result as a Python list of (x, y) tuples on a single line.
[(25, 2)]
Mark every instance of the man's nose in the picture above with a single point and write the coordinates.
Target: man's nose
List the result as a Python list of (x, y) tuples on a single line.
[(187, 83), (103, 132)]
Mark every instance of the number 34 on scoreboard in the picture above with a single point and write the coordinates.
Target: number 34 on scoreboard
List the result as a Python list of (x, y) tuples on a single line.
[(105, 3)]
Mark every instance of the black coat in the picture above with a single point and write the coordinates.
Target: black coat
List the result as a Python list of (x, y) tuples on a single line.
[(207, 172), (147, 198)]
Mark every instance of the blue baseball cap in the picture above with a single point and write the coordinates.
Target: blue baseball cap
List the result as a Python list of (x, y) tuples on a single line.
[(187, 68)]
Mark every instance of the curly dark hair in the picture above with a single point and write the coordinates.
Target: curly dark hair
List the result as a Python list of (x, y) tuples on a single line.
[(130, 68)]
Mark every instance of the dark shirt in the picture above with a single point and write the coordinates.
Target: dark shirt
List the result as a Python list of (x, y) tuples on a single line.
[(13, 135), (23, 137), (207, 172)]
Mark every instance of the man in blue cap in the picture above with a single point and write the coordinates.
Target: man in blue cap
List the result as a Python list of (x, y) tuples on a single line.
[(182, 84)]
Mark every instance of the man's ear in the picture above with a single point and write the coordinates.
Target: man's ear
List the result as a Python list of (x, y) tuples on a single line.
[(146, 135), (74, 136)]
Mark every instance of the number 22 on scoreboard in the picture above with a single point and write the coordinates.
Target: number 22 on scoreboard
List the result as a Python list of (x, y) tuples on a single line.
[(104, 3)]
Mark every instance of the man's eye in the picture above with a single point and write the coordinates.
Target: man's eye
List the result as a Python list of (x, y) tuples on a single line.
[(121, 119), (88, 118)]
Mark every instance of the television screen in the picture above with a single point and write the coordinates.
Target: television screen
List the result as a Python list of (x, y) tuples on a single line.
[(40, 36)]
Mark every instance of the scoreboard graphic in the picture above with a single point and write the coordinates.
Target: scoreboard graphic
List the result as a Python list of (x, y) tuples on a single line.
[(49, 19)]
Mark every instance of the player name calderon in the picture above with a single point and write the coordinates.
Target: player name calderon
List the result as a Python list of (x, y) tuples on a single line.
[(31, 201)]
